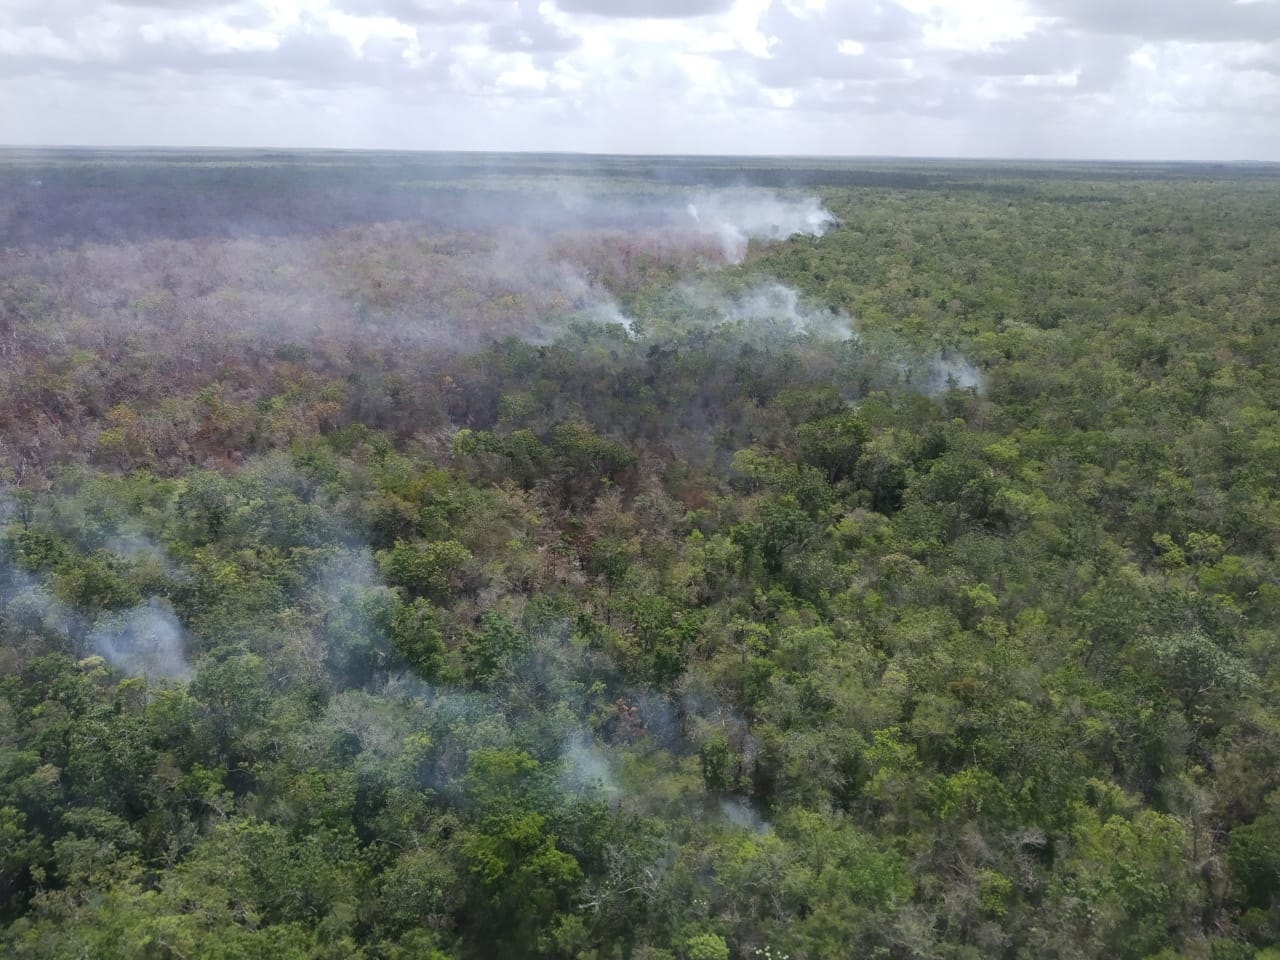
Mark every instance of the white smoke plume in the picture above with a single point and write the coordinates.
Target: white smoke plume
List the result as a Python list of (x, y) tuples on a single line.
[(770, 310), (591, 300), (738, 812), (736, 217), (140, 549), (946, 373), (146, 641), (934, 376), (27, 601), (608, 311), (585, 765), (781, 308)]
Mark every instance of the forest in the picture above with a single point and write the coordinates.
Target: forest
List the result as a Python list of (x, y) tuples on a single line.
[(531, 556)]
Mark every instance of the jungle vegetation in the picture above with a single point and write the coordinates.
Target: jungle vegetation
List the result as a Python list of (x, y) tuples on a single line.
[(369, 589)]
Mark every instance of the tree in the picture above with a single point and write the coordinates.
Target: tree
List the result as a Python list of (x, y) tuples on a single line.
[(834, 444), (433, 570)]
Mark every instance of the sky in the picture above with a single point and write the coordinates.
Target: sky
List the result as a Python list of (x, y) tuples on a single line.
[(1104, 79)]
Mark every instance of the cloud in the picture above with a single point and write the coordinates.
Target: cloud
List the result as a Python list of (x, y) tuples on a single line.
[(1093, 64), (862, 58), (312, 55), (427, 11), (1202, 21), (530, 31), (173, 6), (1043, 77), (1262, 61), (646, 9), (865, 21), (858, 40)]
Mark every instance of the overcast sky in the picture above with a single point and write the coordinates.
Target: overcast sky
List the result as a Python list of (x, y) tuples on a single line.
[(1158, 79)]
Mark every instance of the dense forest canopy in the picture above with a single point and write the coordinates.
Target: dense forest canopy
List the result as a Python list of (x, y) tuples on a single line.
[(468, 556)]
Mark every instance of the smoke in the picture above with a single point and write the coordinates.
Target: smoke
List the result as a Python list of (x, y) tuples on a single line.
[(146, 641), (24, 601), (736, 217), (948, 373), (935, 375), (141, 551), (517, 262), (608, 311), (28, 603), (586, 765), (774, 311), (592, 301), (738, 812), (764, 311), (373, 728), (778, 308), (653, 715)]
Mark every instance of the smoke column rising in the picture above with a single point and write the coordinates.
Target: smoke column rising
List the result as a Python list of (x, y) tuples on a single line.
[(145, 641), (736, 217), (780, 306)]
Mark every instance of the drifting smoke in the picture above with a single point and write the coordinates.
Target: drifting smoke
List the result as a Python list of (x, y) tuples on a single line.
[(494, 264), (28, 603), (771, 311), (143, 642), (24, 601), (779, 309), (934, 376), (592, 301), (585, 765), (141, 551), (609, 312), (736, 217), (372, 731), (739, 813), (952, 373)]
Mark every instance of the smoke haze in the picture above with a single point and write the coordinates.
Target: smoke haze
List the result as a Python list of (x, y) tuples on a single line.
[(146, 641), (736, 217)]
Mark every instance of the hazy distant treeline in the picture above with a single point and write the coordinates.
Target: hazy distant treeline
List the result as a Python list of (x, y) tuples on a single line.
[(68, 197)]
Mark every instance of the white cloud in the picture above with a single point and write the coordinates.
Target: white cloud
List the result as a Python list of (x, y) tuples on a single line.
[(1195, 21), (646, 9), (1176, 79)]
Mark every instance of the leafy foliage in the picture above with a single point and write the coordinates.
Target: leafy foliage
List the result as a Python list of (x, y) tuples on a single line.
[(713, 639)]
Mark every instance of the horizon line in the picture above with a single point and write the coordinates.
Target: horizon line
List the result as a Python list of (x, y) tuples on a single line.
[(432, 151)]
